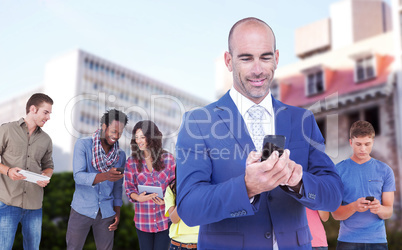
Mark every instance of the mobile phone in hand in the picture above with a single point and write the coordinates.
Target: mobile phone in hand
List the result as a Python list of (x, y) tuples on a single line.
[(120, 169), (272, 143), (370, 198)]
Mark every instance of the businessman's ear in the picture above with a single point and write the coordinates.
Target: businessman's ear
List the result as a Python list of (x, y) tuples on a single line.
[(228, 61), (276, 58)]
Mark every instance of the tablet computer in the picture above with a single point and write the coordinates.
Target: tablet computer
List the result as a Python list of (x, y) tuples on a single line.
[(150, 190), (33, 177)]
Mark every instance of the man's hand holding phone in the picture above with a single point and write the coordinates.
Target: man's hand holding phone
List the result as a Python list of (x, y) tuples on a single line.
[(361, 205), (374, 205), (114, 175), (266, 175), (120, 169), (274, 143)]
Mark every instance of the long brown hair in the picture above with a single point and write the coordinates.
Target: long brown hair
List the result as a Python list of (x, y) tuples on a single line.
[(153, 137)]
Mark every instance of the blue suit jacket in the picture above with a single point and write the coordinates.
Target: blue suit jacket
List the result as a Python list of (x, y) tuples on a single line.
[(211, 151)]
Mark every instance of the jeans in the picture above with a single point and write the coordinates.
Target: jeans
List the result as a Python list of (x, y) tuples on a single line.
[(154, 241), (361, 246), (320, 248), (31, 221)]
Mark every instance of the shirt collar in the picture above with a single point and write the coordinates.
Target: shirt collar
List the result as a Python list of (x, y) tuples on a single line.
[(21, 122), (243, 103)]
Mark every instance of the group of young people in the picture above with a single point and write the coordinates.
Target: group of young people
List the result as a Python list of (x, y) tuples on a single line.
[(99, 166), (235, 201)]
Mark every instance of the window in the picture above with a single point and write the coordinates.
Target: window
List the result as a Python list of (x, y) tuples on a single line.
[(352, 117), (372, 115), (315, 83), (365, 69), (91, 65), (321, 125), (86, 63)]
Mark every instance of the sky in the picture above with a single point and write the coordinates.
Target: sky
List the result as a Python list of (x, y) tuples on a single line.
[(173, 41)]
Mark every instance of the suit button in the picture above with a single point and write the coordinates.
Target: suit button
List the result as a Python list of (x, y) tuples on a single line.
[(232, 215), (267, 235)]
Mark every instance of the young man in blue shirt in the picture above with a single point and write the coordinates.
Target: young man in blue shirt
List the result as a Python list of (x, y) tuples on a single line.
[(362, 220), (98, 184)]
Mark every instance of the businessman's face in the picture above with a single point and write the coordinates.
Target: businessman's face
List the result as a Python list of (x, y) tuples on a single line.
[(361, 147), (253, 60)]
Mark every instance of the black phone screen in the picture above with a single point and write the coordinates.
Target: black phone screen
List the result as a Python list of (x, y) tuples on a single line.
[(370, 198), (272, 143), (121, 169)]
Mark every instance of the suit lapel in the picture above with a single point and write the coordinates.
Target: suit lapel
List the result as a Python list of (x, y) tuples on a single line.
[(283, 120), (231, 117)]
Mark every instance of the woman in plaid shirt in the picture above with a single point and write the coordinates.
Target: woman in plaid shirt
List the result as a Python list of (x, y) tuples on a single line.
[(149, 165)]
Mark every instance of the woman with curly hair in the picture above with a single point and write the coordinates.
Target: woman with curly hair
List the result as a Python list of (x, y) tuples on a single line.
[(149, 165)]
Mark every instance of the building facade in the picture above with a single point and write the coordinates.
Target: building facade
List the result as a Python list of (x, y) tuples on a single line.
[(347, 73), (83, 86), (397, 28)]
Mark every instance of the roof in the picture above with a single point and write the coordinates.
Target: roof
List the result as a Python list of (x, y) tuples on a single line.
[(338, 81)]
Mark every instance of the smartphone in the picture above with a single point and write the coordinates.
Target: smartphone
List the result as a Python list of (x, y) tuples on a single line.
[(272, 143), (121, 170), (370, 198)]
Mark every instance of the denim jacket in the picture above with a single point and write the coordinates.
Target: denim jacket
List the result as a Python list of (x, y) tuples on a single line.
[(89, 198)]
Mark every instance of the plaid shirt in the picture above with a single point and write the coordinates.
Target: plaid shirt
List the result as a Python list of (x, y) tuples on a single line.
[(148, 216)]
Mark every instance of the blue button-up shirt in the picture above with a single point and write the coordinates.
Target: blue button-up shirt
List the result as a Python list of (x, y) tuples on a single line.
[(89, 198)]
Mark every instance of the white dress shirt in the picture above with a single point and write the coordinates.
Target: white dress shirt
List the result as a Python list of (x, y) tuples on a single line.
[(243, 104)]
